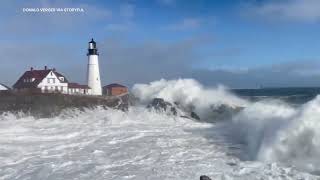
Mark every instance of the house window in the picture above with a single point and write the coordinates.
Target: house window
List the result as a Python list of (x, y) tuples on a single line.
[(48, 80), (56, 88), (53, 80)]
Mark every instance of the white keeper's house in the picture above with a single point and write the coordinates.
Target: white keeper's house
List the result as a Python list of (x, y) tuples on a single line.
[(48, 81)]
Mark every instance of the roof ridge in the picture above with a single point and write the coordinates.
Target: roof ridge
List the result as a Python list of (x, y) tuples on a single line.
[(5, 85)]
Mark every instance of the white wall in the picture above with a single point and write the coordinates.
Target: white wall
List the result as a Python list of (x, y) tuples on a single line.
[(78, 91), (3, 88), (93, 75), (52, 83)]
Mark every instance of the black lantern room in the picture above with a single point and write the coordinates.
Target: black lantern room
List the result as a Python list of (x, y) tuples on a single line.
[(92, 49)]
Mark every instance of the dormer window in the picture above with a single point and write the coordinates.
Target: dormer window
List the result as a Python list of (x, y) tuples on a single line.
[(61, 78), (26, 80)]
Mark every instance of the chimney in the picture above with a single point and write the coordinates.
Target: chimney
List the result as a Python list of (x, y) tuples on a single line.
[(54, 69), (31, 69), (45, 67)]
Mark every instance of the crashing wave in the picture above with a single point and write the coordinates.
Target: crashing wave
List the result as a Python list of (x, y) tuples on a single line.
[(210, 104), (272, 130), (156, 142)]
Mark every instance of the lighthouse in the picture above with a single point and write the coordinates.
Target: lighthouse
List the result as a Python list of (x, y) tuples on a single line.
[(93, 74)]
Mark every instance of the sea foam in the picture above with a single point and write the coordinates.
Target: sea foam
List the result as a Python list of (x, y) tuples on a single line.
[(272, 130), (144, 144)]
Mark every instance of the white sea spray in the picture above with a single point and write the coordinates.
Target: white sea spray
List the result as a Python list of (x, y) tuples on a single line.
[(143, 144)]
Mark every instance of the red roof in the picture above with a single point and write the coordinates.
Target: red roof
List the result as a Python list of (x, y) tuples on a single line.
[(79, 86), (38, 76), (114, 85)]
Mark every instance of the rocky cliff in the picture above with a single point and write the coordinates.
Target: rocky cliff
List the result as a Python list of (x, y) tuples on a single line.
[(46, 105)]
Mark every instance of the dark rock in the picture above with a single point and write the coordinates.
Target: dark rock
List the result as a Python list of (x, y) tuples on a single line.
[(232, 164), (185, 117), (194, 116), (160, 104), (203, 177), (48, 105), (173, 110)]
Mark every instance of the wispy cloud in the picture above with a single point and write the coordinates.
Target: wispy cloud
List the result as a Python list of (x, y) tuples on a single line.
[(291, 10), (186, 24)]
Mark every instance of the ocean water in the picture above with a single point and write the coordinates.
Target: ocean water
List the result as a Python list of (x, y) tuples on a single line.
[(270, 137), (292, 95)]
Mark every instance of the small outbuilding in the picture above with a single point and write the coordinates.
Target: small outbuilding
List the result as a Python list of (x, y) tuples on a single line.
[(114, 90)]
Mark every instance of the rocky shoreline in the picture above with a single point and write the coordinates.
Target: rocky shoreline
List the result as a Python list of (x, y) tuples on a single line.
[(42, 105), (49, 105)]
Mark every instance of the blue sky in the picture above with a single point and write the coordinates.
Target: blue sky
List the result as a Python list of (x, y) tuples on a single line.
[(239, 43)]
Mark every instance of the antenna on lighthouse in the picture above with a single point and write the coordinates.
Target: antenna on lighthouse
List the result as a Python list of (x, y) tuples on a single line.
[(93, 74)]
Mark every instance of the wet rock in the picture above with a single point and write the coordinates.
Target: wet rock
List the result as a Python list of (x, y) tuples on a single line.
[(194, 115), (185, 117), (173, 110), (203, 177), (49, 105), (160, 104)]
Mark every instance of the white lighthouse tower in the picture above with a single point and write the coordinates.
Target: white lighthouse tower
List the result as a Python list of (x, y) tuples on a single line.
[(93, 75)]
